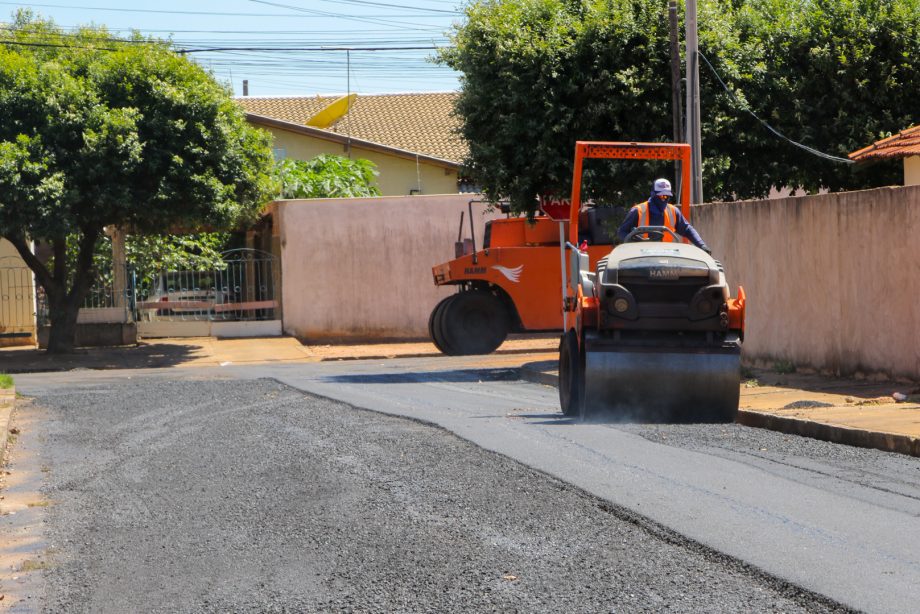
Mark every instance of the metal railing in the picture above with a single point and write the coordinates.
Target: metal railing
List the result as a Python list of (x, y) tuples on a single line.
[(242, 287), (104, 303)]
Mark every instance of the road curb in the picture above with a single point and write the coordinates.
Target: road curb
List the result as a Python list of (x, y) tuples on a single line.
[(7, 403), (861, 438)]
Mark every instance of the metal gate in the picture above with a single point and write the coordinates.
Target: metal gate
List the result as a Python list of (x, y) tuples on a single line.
[(235, 298), (17, 303)]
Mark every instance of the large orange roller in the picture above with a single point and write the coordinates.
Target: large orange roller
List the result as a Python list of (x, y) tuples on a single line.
[(651, 329)]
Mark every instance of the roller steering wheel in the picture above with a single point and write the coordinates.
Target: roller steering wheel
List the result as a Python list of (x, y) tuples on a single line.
[(655, 233)]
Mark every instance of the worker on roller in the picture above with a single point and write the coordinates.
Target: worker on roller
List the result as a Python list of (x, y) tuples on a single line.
[(657, 211)]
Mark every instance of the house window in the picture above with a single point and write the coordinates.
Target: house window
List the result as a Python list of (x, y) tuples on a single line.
[(465, 185), (280, 153)]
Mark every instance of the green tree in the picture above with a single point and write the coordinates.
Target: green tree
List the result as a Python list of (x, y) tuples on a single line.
[(327, 176), (538, 75), (835, 75), (99, 131)]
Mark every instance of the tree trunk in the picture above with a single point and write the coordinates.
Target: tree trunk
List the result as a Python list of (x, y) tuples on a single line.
[(63, 333), (63, 305)]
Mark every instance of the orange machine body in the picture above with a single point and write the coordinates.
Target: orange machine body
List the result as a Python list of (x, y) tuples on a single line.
[(582, 311), (520, 259)]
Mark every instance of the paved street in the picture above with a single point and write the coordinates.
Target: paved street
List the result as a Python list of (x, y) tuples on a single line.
[(217, 495), (201, 491)]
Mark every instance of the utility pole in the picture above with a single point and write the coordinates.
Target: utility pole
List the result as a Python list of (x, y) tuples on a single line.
[(693, 105), (676, 107), (348, 102)]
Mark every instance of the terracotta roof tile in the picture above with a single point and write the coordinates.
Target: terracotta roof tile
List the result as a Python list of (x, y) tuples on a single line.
[(421, 123), (905, 143), (293, 109)]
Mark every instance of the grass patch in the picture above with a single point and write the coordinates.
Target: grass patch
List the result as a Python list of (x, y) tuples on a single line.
[(751, 383), (748, 373), (784, 366), (6, 381)]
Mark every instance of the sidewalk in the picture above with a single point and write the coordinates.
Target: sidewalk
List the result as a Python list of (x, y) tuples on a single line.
[(855, 412), (212, 351)]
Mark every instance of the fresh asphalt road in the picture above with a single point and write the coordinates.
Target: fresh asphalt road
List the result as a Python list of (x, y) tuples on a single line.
[(839, 521)]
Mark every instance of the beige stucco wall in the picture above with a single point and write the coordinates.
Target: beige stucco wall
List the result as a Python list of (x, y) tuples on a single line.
[(833, 281), (912, 170), (397, 175), (362, 267)]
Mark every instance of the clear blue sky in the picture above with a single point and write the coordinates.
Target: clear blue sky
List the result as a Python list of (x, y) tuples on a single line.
[(280, 24)]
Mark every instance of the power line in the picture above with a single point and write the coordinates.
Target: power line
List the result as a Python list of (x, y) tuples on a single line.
[(365, 18), (745, 107), (56, 45), (300, 9), (322, 48), (397, 6), (159, 11)]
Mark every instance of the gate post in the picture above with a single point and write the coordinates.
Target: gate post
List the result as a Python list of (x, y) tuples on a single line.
[(119, 269)]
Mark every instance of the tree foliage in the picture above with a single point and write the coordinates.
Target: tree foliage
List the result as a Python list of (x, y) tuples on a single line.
[(538, 75), (149, 254), (327, 176), (99, 131), (191, 252)]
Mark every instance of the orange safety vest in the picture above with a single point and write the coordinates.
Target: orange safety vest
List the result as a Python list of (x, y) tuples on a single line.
[(670, 219)]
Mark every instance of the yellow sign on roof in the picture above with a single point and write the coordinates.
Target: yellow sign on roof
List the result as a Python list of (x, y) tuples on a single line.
[(332, 112)]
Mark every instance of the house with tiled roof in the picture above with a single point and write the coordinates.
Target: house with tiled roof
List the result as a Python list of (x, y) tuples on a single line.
[(410, 137), (905, 146)]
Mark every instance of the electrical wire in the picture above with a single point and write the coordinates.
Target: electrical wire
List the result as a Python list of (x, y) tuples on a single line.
[(270, 54), (313, 12), (287, 49), (160, 11), (746, 108), (300, 9), (396, 6)]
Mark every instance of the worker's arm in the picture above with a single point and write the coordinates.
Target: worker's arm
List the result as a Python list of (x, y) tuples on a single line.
[(684, 229), (632, 218)]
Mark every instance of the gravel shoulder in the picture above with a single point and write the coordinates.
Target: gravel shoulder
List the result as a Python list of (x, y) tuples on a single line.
[(224, 495)]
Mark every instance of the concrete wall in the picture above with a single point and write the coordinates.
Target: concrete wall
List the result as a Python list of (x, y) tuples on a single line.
[(397, 175), (96, 335), (361, 268), (833, 281)]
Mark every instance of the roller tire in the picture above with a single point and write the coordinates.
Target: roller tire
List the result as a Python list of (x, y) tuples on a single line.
[(571, 376), (433, 324), (473, 322)]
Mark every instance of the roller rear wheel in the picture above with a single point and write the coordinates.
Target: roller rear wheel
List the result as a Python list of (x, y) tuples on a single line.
[(473, 322), (571, 376), (434, 324)]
